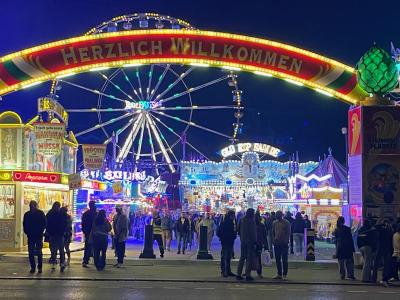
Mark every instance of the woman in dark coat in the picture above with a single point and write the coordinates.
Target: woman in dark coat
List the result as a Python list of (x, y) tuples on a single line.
[(344, 249), (99, 237)]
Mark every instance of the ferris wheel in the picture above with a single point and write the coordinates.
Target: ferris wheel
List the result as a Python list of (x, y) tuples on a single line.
[(145, 111)]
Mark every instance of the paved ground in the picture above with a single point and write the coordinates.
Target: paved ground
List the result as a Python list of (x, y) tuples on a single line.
[(324, 251), (161, 290)]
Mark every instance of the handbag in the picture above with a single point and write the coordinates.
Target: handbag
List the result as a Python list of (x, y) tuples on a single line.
[(266, 259)]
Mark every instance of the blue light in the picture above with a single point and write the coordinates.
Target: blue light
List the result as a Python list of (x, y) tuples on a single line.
[(228, 182), (193, 182)]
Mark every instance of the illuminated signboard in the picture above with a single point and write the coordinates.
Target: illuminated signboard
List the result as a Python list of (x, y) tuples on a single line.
[(50, 105), (94, 185), (140, 105), (253, 147), (113, 175), (28, 176)]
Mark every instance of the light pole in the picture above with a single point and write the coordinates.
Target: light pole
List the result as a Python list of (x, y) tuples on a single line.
[(345, 134)]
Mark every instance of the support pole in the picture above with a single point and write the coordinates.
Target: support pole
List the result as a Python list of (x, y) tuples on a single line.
[(203, 247), (309, 247), (148, 243)]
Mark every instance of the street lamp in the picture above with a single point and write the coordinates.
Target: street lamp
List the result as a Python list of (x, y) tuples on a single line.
[(345, 133)]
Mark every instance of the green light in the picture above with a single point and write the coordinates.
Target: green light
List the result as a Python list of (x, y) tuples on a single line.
[(377, 72)]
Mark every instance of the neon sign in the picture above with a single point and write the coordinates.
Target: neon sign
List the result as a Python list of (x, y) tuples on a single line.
[(140, 105), (254, 147), (113, 175)]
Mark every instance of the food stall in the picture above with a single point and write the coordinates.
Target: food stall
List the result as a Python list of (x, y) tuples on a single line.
[(31, 170)]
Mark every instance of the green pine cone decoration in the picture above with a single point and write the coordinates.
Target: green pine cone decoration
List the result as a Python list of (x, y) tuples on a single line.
[(377, 72)]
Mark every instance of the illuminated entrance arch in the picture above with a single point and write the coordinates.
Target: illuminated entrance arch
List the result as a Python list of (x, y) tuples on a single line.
[(201, 48)]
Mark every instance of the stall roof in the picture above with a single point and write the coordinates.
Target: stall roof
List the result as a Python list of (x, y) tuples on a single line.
[(329, 165)]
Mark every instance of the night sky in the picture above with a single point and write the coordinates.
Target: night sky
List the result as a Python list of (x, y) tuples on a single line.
[(290, 117)]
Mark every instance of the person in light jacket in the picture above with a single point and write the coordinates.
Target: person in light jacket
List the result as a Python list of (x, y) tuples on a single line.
[(121, 228), (281, 233)]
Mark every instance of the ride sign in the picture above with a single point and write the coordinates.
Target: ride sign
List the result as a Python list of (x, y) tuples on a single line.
[(248, 147)]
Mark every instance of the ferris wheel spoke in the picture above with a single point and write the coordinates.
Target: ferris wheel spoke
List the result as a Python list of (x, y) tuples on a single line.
[(165, 140), (130, 139), (130, 83), (97, 110), (140, 84), (139, 150), (121, 130), (191, 90), (197, 150), (192, 124), (160, 79), (160, 143), (149, 84), (195, 107), (101, 125), (181, 77), (116, 86), (153, 156), (97, 92), (177, 135)]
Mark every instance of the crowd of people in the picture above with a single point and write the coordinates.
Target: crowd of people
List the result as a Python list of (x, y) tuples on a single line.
[(262, 238)]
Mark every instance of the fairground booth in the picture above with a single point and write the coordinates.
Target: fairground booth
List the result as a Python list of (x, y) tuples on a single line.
[(135, 191), (35, 161), (322, 194)]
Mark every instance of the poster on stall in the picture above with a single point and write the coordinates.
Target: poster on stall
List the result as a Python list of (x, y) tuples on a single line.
[(93, 156), (382, 186), (49, 138)]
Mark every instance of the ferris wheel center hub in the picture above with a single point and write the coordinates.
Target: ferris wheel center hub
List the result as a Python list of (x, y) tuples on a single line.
[(141, 105)]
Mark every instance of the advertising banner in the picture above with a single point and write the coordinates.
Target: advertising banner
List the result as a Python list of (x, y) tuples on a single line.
[(355, 132), (93, 156), (74, 181), (381, 129), (49, 138), (382, 186)]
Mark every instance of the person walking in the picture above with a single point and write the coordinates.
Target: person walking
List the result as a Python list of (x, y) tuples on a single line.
[(182, 229), (227, 235), (166, 228), (270, 239), (99, 239), (366, 242), (396, 253), (298, 227), (190, 235), (34, 223), (56, 227), (262, 243), (344, 249), (248, 239), (68, 234), (86, 223), (291, 220), (281, 232), (157, 233), (384, 251), (120, 227)]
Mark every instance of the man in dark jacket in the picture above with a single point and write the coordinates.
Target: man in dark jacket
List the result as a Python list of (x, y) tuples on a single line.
[(248, 240), (182, 229), (56, 228), (291, 220), (227, 235), (87, 222), (344, 249), (34, 225), (298, 227), (384, 251)]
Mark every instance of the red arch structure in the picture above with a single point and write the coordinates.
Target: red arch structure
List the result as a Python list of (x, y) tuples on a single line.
[(201, 48)]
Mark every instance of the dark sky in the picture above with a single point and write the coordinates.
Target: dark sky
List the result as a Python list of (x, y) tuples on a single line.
[(290, 117)]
